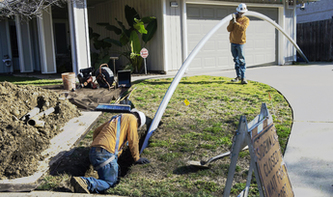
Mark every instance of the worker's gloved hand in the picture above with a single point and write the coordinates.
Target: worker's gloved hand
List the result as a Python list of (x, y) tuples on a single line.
[(142, 160), (234, 17)]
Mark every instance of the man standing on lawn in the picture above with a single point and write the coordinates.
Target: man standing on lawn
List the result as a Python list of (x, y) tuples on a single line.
[(108, 141), (237, 28)]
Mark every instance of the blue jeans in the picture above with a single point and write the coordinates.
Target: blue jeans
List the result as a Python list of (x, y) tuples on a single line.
[(108, 175), (239, 59)]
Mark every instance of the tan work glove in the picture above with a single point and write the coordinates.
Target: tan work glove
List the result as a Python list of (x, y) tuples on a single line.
[(234, 18)]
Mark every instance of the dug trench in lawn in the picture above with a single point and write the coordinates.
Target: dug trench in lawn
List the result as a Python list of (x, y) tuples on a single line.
[(22, 143), (77, 162), (87, 99)]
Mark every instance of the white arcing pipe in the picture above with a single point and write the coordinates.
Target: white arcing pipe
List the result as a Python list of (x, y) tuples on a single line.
[(189, 59), (263, 17)]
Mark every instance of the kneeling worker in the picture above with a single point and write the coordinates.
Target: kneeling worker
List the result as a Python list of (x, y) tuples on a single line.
[(103, 153)]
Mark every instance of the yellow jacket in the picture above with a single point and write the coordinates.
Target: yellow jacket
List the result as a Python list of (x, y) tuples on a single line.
[(105, 135), (238, 30)]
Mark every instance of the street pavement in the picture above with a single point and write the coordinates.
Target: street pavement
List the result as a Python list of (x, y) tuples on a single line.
[(309, 153)]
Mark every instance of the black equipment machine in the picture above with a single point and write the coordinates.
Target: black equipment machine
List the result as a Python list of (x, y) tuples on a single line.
[(85, 78), (104, 76)]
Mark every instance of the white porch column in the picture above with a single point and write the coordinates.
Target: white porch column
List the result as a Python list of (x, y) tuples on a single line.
[(184, 29), (165, 44), (24, 45), (78, 22), (46, 42)]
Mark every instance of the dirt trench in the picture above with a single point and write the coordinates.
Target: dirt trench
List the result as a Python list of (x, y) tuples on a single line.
[(21, 144)]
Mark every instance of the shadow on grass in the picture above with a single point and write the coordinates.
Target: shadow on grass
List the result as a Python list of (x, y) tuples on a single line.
[(188, 170), (181, 82), (17, 79), (74, 163), (29, 81)]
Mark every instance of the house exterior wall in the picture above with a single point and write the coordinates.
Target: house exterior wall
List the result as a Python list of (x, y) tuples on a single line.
[(290, 29), (108, 11), (168, 48), (315, 11), (173, 33)]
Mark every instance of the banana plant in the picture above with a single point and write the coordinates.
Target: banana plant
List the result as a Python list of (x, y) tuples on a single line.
[(102, 46), (139, 30)]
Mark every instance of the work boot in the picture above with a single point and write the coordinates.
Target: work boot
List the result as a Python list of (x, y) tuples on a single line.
[(244, 81), (80, 185), (235, 80)]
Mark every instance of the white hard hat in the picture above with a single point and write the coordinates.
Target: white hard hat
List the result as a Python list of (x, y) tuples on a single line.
[(241, 8), (142, 117)]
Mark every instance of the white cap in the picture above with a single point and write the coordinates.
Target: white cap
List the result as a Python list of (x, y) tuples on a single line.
[(241, 8), (141, 115)]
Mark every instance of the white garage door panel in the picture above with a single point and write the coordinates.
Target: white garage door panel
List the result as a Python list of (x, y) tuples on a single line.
[(193, 12), (207, 13), (209, 62), (261, 44), (221, 12), (194, 29), (196, 64)]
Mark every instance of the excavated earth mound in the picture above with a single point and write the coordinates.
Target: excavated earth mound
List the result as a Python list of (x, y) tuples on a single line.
[(21, 143)]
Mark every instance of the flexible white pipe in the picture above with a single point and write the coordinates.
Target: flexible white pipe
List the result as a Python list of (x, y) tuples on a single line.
[(189, 59), (263, 17)]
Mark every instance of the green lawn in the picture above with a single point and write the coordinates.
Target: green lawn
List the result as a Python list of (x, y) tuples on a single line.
[(197, 131), (30, 81)]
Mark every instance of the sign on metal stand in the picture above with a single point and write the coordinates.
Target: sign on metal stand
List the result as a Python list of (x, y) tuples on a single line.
[(144, 54), (266, 157)]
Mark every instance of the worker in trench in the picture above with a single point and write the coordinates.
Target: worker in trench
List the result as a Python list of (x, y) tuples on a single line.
[(237, 28), (103, 153)]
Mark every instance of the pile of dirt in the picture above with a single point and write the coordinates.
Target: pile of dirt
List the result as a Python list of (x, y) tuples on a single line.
[(21, 144)]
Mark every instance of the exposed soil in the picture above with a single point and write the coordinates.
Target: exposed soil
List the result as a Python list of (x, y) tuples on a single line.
[(21, 144)]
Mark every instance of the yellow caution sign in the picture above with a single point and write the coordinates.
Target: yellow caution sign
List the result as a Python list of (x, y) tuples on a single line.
[(187, 103)]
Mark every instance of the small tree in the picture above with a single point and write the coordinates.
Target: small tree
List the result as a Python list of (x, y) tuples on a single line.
[(129, 37), (27, 9)]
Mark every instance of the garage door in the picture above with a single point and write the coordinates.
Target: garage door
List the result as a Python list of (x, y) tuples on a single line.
[(261, 44)]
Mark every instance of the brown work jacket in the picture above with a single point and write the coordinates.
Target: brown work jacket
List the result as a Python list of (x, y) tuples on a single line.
[(238, 30), (105, 135)]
